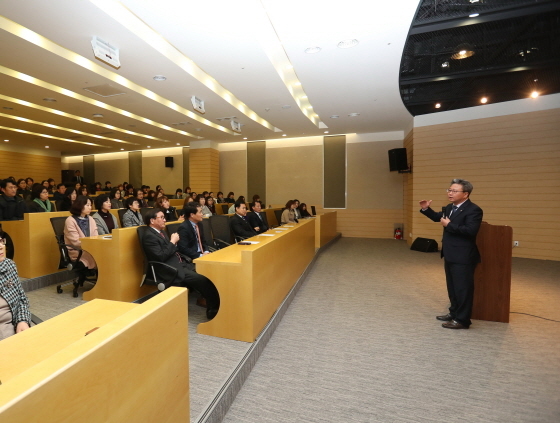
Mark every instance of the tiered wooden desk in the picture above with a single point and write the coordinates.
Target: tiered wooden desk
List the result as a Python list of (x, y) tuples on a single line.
[(253, 280), (325, 228), (36, 250), (134, 368)]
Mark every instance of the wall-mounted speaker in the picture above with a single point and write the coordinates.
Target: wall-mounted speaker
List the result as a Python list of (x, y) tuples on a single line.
[(397, 159), (169, 162)]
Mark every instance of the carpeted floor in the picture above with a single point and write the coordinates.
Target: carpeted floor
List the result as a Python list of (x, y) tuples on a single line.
[(360, 343)]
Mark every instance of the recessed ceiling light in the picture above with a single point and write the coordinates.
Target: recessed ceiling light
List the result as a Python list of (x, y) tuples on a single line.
[(46, 146), (354, 114), (283, 135), (326, 132), (484, 100), (438, 105), (473, 15), (463, 51), (6, 140), (534, 94), (312, 50), (335, 116), (348, 43), (245, 138), (49, 99), (122, 149), (303, 96), (97, 116), (159, 78), (178, 143), (445, 65), (297, 83)]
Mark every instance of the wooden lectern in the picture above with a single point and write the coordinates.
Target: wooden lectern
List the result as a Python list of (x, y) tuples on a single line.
[(492, 278)]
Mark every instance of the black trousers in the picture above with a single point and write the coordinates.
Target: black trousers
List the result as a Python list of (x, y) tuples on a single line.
[(205, 286), (460, 288)]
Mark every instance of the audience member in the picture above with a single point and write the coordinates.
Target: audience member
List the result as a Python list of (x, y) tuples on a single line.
[(151, 198), (29, 182), (210, 204), (108, 186), (159, 247), (187, 192), (78, 179), (80, 225), (239, 223), (202, 201), (84, 190), (257, 219), (289, 215), (220, 198), (191, 241), (58, 195), (169, 212), (230, 198), (14, 305), (140, 197), (22, 190), (132, 217), (240, 199), (52, 186), (69, 197), (104, 220), (304, 213), (45, 183), (40, 203), (12, 207), (96, 187), (130, 191), (116, 199), (296, 210), (178, 194)]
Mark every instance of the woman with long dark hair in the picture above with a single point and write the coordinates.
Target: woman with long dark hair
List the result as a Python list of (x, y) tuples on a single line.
[(69, 197), (289, 215), (104, 220), (80, 225), (116, 199)]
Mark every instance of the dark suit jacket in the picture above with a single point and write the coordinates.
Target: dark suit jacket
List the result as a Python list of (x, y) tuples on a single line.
[(188, 244), (459, 237), (241, 227), (75, 179), (161, 249), (255, 221)]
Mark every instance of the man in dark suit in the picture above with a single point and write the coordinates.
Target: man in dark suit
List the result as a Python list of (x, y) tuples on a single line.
[(158, 247), (191, 242), (239, 223), (461, 222), (78, 178), (257, 219)]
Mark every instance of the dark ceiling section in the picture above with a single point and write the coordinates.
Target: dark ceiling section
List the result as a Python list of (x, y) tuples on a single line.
[(510, 50)]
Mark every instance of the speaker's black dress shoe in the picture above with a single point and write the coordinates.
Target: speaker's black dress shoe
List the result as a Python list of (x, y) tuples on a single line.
[(211, 313), (453, 325), (445, 318)]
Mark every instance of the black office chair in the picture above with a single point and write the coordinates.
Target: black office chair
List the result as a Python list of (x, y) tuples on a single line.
[(172, 227), (121, 213), (221, 231), (278, 214), (154, 270), (66, 262), (144, 211), (207, 234), (313, 212)]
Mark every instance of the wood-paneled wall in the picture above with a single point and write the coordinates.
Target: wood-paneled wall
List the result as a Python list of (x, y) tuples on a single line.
[(204, 169), (23, 165), (513, 163), (408, 207)]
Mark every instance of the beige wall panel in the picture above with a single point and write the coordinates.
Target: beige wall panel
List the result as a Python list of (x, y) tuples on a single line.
[(233, 172), (407, 187), (367, 223), (115, 170), (204, 169), (370, 184), (295, 172), (23, 165), (155, 173), (514, 164)]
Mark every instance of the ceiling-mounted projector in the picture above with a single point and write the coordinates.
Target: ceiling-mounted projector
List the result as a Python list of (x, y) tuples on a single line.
[(198, 104), (105, 52), (236, 126)]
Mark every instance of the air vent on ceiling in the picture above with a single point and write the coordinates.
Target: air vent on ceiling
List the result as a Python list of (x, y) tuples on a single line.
[(105, 90)]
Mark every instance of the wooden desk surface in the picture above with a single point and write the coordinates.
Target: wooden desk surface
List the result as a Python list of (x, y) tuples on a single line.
[(325, 228), (254, 279)]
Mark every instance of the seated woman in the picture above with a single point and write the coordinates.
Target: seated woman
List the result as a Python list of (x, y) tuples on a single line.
[(80, 225), (210, 204), (130, 191), (288, 215), (220, 198), (52, 186), (139, 195), (296, 210), (178, 194), (14, 306), (151, 198), (40, 203), (169, 212), (303, 211), (96, 187), (230, 198), (104, 220), (69, 197), (116, 200), (240, 199), (84, 191), (132, 217), (187, 192), (22, 190), (202, 201)]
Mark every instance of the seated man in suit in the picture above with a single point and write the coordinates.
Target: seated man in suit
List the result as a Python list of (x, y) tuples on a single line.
[(191, 233), (159, 247), (239, 223), (258, 219), (59, 193), (12, 206)]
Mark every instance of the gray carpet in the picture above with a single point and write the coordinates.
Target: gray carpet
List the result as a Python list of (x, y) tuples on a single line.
[(360, 343)]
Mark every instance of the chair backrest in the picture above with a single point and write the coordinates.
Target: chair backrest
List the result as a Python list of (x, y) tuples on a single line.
[(144, 210), (225, 208), (220, 228), (313, 212), (58, 204), (58, 224), (278, 214), (121, 213), (265, 219), (148, 275), (207, 233), (173, 227), (54, 207)]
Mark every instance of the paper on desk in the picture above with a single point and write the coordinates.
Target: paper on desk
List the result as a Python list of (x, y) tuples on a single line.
[(108, 237), (266, 234), (281, 229), (288, 226), (252, 242)]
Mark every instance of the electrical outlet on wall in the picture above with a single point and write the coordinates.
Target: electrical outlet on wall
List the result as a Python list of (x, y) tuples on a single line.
[(516, 243)]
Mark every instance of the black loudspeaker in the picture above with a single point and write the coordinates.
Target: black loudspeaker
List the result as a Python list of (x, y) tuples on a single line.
[(425, 245), (169, 162), (397, 159)]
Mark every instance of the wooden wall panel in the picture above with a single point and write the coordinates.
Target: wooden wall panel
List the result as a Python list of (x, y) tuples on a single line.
[(513, 163), (407, 188), (233, 172), (23, 165), (204, 169), (366, 223)]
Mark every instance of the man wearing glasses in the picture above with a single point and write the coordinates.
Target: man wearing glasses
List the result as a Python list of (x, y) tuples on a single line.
[(461, 221)]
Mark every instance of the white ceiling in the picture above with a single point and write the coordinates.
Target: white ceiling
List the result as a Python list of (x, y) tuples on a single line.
[(227, 39)]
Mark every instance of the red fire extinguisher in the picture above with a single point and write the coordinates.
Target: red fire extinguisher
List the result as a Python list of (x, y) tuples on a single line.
[(398, 233)]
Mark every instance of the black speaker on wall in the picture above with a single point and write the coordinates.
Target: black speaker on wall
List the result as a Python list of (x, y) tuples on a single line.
[(397, 159), (169, 162)]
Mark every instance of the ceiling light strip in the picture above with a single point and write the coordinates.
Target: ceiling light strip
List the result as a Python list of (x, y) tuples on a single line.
[(274, 49), (75, 131), (129, 20), (40, 41), (70, 116), (52, 137), (60, 90)]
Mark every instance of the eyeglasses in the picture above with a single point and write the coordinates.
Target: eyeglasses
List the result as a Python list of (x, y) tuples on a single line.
[(454, 191)]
